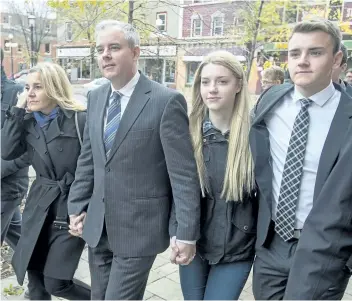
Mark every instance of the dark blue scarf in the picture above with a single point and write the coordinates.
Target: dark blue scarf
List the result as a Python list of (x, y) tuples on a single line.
[(43, 119)]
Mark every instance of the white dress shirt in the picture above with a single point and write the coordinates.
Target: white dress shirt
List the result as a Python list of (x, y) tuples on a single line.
[(126, 92), (280, 122)]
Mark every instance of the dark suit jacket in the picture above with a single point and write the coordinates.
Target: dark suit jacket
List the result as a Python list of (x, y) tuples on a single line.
[(14, 173), (151, 164), (326, 241)]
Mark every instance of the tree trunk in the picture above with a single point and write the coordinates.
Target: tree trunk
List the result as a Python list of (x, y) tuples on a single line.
[(130, 11), (253, 43)]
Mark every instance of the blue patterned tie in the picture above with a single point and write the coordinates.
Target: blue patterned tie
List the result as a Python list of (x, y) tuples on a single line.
[(112, 121), (292, 174)]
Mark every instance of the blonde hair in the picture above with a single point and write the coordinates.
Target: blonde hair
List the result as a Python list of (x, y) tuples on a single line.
[(56, 86), (239, 175)]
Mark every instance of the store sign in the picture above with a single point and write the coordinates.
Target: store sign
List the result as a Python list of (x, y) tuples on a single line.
[(163, 50), (72, 52)]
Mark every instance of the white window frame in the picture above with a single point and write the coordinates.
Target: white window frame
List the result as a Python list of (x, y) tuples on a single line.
[(164, 25), (217, 15), (66, 32), (349, 12), (193, 18)]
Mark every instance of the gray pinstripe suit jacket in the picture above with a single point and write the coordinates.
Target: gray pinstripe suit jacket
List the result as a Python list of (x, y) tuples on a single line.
[(151, 164)]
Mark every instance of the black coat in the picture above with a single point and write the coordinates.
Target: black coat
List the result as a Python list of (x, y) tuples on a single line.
[(228, 229), (14, 173), (54, 158)]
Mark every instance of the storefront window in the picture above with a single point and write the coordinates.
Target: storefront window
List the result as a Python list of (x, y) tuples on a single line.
[(169, 71), (191, 70)]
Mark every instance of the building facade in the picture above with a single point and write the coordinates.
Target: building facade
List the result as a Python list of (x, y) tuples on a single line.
[(16, 41)]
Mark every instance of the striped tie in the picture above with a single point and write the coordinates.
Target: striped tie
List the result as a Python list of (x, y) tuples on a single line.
[(112, 121), (292, 174)]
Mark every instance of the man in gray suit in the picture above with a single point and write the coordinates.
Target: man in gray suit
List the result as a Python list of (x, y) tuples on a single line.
[(136, 161), (301, 144)]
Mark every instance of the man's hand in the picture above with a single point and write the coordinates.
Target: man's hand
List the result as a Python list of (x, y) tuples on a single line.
[(181, 253), (76, 224)]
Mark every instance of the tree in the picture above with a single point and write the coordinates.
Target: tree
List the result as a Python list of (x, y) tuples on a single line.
[(85, 15), (42, 29)]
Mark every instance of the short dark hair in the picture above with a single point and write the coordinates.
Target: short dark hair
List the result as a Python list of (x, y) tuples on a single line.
[(344, 54), (2, 55), (320, 25)]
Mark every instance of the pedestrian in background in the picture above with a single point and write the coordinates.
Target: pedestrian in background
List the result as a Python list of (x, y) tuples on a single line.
[(219, 125), (47, 123), (338, 72), (14, 173), (272, 76)]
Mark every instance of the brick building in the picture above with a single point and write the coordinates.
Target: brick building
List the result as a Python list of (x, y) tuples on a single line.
[(15, 32)]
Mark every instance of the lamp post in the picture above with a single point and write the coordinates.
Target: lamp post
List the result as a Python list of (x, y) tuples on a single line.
[(31, 20), (11, 45), (158, 23)]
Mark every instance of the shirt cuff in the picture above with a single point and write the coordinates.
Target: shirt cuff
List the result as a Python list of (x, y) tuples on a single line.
[(189, 242)]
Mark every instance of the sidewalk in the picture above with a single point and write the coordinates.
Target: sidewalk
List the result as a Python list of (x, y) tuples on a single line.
[(163, 282)]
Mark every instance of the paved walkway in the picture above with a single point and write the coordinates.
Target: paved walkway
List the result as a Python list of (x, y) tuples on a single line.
[(163, 282)]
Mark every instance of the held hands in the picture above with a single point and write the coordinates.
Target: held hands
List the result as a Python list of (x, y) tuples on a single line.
[(181, 253), (76, 224)]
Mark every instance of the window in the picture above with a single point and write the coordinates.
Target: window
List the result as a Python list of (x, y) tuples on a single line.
[(191, 71), (170, 71), (196, 26), (162, 17), (5, 19), (6, 48), (19, 47), (48, 26), (68, 31), (217, 24), (335, 10), (47, 48), (349, 13)]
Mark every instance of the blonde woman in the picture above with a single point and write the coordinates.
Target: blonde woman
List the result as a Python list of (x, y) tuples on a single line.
[(47, 124), (219, 125)]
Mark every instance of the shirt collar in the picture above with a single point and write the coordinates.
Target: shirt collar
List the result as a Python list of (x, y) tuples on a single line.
[(342, 84), (208, 125), (128, 89), (319, 98)]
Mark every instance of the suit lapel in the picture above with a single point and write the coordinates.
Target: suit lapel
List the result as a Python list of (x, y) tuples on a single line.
[(268, 101), (138, 100), (101, 107), (336, 136)]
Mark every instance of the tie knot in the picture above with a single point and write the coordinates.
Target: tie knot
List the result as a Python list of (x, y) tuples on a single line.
[(117, 95), (305, 102)]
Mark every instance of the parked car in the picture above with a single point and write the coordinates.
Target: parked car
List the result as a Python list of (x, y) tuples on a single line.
[(94, 84)]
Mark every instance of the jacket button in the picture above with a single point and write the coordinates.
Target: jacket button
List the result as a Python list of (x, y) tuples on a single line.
[(60, 149), (108, 169), (204, 140), (46, 152), (245, 228)]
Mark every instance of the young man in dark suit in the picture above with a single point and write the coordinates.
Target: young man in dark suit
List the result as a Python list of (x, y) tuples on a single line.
[(300, 139), (136, 160)]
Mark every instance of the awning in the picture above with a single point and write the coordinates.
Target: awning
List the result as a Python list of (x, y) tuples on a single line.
[(197, 54)]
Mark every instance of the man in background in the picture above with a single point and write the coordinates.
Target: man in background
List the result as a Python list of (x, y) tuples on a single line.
[(272, 76)]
